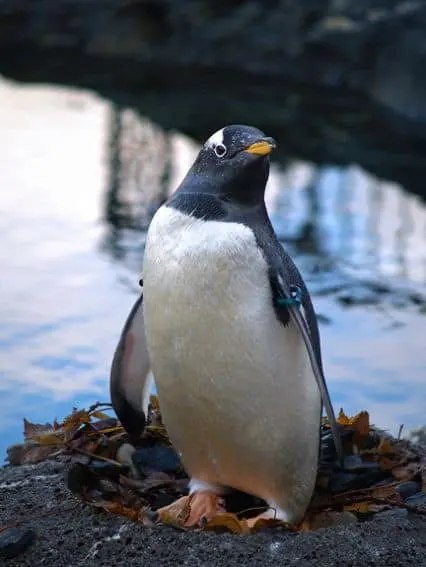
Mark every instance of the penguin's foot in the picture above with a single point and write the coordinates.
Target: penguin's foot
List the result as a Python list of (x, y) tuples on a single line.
[(190, 511)]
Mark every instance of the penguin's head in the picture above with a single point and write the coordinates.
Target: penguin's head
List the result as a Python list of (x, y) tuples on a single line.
[(234, 164)]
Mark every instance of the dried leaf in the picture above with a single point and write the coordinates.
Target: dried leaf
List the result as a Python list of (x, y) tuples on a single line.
[(342, 418), (134, 514), (385, 447), (154, 403), (77, 418), (32, 430), (386, 492), (29, 454), (227, 522), (360, 422), (365, 507), (177, 514), (49, 439)]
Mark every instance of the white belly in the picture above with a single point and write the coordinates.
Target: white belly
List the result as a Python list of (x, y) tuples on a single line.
[(236, 388)]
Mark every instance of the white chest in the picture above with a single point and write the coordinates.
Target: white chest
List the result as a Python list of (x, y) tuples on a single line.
[(195, 269), (229, 375)]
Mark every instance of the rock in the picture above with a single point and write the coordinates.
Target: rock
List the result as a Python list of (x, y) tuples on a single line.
[(335, 83), (354, 463), (14, 541), (341, 481), (157, 458), (408, 489), (417, 501)]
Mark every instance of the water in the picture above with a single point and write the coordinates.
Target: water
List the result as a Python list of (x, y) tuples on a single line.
[(69, 279)]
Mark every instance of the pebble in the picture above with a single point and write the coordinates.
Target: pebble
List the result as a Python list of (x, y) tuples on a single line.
[(14, 541), (417, 501), (354, 463), (341, 481), (408, 489), (157, 458)]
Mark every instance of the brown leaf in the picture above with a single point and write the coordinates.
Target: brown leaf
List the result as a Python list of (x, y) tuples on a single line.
[(49, 439), (227, 522), (361, 423), (34, 429), (28, 454), (177, 513), (154, 403), (135, 514), (365, 507), (388, 492), (385, 447), (75, 419), (384, 494)]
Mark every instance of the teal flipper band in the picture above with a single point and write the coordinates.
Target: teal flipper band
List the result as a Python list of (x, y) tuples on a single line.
[(294, 301)]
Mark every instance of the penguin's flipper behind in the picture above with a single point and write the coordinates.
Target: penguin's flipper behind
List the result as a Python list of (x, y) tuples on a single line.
[(130, 377), (306, 322)]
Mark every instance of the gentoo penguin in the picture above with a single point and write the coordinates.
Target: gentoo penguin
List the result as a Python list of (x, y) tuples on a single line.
[(232, 336)]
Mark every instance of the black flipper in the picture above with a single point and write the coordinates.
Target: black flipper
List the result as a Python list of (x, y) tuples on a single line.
[(291, 299), (129, 376)]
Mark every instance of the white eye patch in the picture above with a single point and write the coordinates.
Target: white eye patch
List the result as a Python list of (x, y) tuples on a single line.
[(215, 143), (215, 139)]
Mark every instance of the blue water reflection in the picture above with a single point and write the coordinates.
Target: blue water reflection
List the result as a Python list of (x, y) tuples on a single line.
[(65, 294)]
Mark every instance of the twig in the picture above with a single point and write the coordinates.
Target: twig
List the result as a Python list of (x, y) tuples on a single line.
[(96, 457)]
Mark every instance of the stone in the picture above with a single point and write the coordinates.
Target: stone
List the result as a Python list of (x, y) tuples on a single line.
[(156, 458), (408, 489), (14, 541), (417, 501)]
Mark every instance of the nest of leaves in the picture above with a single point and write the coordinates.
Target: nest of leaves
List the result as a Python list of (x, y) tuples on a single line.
[(131, 479)]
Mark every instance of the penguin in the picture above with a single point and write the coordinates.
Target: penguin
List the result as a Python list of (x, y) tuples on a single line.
[(232, 337)]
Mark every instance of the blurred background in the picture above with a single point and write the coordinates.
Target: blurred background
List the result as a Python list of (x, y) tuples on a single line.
[(103, 106)]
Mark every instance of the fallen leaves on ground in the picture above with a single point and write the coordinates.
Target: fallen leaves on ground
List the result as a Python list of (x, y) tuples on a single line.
[(128, 480)]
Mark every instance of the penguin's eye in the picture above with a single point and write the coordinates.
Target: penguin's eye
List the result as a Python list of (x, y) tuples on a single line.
[(220, 150)]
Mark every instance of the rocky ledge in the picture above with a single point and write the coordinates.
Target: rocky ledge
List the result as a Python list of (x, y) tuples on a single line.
[(335, 81), (56, 529)]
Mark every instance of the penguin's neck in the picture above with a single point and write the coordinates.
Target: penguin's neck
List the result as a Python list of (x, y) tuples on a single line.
[(245, 190), (210, 207)]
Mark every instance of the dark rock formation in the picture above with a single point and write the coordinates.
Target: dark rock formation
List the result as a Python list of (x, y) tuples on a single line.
[(334, 81)]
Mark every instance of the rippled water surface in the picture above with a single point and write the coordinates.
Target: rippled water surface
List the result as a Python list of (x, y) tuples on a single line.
[(68, 279)]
